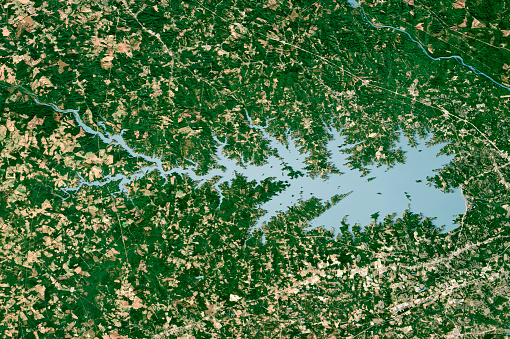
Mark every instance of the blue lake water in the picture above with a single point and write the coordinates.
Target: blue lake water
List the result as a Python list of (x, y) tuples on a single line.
[(392, 190)]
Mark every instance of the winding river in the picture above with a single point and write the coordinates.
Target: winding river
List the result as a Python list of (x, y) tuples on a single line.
[(457, 58)]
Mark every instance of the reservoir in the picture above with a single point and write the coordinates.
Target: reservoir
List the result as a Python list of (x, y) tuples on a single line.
[(401, 187), (393, 190), (390, 191)]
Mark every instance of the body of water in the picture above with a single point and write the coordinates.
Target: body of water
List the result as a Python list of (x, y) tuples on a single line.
[(353, 3), (393, 190)]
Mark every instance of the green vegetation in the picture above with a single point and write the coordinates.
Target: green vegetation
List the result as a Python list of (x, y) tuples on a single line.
[(171, 73)]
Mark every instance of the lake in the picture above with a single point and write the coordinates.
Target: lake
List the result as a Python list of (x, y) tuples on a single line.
[(394, 190)]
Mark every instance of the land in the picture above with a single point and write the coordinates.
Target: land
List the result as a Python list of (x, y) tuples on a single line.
[(179, 265)]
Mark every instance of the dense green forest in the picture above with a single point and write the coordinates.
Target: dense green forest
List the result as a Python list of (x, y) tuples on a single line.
[(175, 73)]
